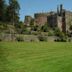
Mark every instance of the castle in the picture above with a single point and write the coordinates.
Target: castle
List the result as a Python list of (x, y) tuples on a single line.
[(60, 19)]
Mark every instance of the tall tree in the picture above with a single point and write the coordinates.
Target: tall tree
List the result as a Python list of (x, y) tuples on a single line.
[(13, 11), (2, 9)]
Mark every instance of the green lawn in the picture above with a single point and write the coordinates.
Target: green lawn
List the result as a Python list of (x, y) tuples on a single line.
[(35, 57)]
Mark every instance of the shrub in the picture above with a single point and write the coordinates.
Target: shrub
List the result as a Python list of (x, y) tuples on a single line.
[(34, 28), (42, 38), (63, 40), (56, 40), (69, 40), (57, 32), (60, 40), (34, 32), (70, 27), (19, 38), (44, 28), (32, 23), (50, 33), (0, 39), (25, 31)]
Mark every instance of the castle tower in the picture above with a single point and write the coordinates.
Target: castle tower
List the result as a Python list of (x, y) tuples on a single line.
[(40, 18), (62, 19), (61, 9), (63, 22), (58, 13), (27, 20)]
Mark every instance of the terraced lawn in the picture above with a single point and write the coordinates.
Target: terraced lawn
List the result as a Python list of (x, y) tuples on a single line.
[(35, 57)]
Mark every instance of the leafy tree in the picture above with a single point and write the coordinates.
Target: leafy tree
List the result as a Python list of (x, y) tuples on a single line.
[(20, 25), (50, 33), (32, 23), (57, 32), (70, 27), (35, 28), (2, 9), (13, 11), (61, 35), (44, 28)]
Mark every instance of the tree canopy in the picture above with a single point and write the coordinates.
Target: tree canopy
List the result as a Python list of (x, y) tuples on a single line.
[(9, 12)]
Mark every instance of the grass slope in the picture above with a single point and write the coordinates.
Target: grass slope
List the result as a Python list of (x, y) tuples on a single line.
[(35, 57)]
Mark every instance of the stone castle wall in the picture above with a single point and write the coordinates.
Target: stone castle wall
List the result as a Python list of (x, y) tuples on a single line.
[(46, 18), (53, 19), (68, 19), (59, 21), (27, 20), (40, 18)]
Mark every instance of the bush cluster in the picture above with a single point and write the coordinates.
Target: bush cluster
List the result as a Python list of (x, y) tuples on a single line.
[(42, 38)]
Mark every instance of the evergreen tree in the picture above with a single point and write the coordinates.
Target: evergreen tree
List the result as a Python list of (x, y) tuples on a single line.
[(2, 9), (12, 12)]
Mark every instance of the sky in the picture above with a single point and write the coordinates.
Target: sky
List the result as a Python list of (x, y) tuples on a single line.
[(29, 7)]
